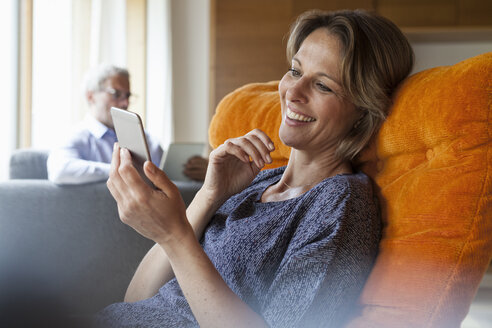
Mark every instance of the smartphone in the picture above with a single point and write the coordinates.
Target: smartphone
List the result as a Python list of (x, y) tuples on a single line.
[(131, 135)]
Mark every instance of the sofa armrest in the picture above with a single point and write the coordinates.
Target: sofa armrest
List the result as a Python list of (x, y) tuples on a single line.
[(28, 164), (69, 238)]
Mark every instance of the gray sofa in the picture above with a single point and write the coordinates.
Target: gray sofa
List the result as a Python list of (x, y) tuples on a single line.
[(65, 241)]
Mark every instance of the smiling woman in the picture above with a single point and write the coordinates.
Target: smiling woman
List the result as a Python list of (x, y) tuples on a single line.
[(287, 247), (359, 75), (315, 111)]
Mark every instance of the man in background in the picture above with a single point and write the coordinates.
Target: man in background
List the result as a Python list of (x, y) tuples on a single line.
[(86, 156)]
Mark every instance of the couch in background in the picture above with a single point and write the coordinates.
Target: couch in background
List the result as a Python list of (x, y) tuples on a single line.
[(65, 240)]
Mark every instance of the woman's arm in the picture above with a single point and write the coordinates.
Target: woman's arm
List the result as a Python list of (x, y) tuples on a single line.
[(211, 300), (160, 216), (155, 270)]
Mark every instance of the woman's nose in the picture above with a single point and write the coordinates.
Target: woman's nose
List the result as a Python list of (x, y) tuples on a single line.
[(297, 91)]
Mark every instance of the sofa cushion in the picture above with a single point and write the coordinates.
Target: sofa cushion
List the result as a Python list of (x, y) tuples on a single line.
[(68, 238), (431, 162), (28, 164), (253, 106)]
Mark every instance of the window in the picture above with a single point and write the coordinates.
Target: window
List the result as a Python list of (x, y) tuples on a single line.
[(66, 38), (8, 80), (51, 71), (62, 52)]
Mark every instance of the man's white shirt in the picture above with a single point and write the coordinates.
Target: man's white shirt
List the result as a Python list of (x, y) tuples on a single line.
[(86, 156)]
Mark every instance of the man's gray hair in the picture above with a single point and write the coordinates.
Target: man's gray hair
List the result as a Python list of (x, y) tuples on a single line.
[(95, 78)]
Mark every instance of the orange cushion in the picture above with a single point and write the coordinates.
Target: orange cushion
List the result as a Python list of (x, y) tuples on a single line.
[(253, 106), (432, 163)]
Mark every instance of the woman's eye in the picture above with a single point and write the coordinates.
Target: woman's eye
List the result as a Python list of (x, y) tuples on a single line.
[(323, 87), (294, 72)]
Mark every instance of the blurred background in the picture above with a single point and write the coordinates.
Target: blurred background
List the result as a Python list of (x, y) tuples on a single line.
[(183, 55)]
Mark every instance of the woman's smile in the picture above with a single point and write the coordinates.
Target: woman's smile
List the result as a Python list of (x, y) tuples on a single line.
[(294, 117)]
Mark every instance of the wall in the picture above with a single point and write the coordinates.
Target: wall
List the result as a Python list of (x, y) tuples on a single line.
[(250, 35), (447, 46), (246, 43), (190, 25), (159, 111), (432, 54), (250, 38)]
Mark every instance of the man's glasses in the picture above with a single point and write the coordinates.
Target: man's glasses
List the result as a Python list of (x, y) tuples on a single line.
[(118, 95)]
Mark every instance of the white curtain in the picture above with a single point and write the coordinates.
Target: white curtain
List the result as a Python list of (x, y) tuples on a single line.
[(8, 81), (80, 34), (108, 32), (159, 71), (51, 71), (68, 38), (98, 36)]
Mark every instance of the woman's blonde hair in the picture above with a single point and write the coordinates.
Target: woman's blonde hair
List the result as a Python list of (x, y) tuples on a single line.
[(376, 57)]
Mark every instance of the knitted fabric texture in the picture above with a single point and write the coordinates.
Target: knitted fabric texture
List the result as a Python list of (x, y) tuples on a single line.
[(298, 263)]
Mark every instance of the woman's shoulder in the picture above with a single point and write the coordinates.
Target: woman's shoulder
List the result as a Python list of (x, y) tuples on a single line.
[(347, 185), (343, 197), (343, 204)]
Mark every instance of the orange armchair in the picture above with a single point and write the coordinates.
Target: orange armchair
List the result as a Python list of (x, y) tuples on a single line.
[(432, 164)]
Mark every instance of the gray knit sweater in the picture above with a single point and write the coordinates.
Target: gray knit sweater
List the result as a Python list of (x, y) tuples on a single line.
[(301, 262)]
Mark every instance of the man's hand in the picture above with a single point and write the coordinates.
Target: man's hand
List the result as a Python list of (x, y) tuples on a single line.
[(196, 168)]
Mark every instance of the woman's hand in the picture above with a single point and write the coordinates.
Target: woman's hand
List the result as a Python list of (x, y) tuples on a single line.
[(159, 214), (230, 169)]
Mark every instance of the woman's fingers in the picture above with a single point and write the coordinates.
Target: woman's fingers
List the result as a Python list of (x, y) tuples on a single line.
[(140, 206), (264, 138), (232, 148), (253, 151), (160, 180), (130, 175), (125, 183), (256, 144), (114, 182), (263, 143), (115, 158)]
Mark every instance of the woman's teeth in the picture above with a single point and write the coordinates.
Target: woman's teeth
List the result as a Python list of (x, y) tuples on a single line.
[(299, 117)]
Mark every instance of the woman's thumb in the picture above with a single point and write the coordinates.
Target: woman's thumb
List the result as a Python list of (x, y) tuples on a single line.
[(158, 177)]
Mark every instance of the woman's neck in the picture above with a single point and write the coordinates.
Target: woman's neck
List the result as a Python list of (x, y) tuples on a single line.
[(307, 169), (303, 172)]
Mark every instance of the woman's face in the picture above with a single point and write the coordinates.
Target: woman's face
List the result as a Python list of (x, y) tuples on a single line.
[(315, 115)]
